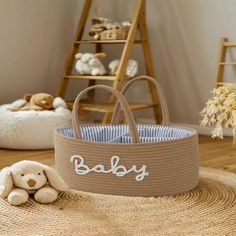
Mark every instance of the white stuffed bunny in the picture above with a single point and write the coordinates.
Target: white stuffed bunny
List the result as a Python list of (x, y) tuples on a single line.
[(30, 177), (89, 64), (131, 69)]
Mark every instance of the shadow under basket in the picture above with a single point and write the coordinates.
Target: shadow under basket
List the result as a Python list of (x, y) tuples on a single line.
[(130, 160)]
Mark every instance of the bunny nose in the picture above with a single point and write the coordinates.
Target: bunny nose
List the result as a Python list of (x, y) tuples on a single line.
[(31, 182)]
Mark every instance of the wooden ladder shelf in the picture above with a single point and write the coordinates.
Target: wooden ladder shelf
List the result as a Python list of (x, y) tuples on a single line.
[(221, 62), (138, 24)]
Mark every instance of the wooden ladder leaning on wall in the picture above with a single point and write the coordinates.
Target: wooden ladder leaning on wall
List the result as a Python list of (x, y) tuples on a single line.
[(221, 61), (138, 23)]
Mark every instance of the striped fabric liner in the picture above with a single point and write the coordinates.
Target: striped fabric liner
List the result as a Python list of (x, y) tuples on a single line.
[(120, 133)]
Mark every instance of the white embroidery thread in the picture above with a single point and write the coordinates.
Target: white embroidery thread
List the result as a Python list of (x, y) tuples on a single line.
[(116, 169)]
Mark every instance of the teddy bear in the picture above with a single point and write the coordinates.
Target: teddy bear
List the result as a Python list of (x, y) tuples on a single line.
[(89, 64), (131, 69), (26, 178), (98, 25), (37, 102)]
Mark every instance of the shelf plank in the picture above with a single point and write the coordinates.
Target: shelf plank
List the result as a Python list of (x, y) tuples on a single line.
[(91, 77), (230, 44), (104, 41), (227, 63), (106, 107), (223, 83)]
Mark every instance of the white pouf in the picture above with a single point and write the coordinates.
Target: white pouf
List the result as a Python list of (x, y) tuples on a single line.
[(31, 130)]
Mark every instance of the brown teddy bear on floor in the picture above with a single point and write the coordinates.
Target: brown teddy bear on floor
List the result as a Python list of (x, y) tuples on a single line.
[(36, 102)]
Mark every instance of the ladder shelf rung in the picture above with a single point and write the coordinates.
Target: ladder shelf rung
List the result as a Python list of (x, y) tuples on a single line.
[(223, 83), (230, 44), (227, 63), (107, 107), (91, 77), (104, 41)]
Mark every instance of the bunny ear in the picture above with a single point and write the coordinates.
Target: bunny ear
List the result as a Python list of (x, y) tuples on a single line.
[(100, 54), (78, 55), (54, 179), (6, 183)]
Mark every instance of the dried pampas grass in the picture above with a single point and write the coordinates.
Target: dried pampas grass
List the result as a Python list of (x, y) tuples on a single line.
[(220, 111)]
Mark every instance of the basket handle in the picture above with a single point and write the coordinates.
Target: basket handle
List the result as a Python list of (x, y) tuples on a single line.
[(120, 100), (162, 99)]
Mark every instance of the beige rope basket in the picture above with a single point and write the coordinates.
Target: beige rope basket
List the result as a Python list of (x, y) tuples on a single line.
[(133, 160)]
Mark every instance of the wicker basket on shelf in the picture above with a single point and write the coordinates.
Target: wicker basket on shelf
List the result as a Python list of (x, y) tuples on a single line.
[(114, 34)]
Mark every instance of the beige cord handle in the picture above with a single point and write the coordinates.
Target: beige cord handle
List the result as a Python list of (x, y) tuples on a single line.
[(120, 100), (162, 99)]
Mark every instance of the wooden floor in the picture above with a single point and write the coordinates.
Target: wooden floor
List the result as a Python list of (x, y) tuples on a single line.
[(220, 154), (213, 153)]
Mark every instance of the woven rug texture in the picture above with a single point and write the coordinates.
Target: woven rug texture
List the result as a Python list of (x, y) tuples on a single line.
[(209, 209)]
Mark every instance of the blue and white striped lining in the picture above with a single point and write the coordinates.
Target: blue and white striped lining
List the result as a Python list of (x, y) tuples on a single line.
[(120, 133)]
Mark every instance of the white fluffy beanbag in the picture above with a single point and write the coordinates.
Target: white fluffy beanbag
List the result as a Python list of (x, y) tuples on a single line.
[(31, 130)]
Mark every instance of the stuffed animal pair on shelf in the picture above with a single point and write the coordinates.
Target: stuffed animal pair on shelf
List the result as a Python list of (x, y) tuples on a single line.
[(38, 102), (26, 178), (90, 64)]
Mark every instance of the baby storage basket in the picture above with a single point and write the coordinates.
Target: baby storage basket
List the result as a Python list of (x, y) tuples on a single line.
[(132, 160)]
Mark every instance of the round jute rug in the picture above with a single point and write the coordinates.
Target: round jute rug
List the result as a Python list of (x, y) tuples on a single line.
[(209, 209)]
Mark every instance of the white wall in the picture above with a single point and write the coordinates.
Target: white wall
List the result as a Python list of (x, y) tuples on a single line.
[(184, 40), (35, 38)]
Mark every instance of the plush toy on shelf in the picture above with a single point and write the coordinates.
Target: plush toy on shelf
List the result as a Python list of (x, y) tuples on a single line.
[(90, 64), (131, 69), (98, 25), (104, 29), (26, 178)]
